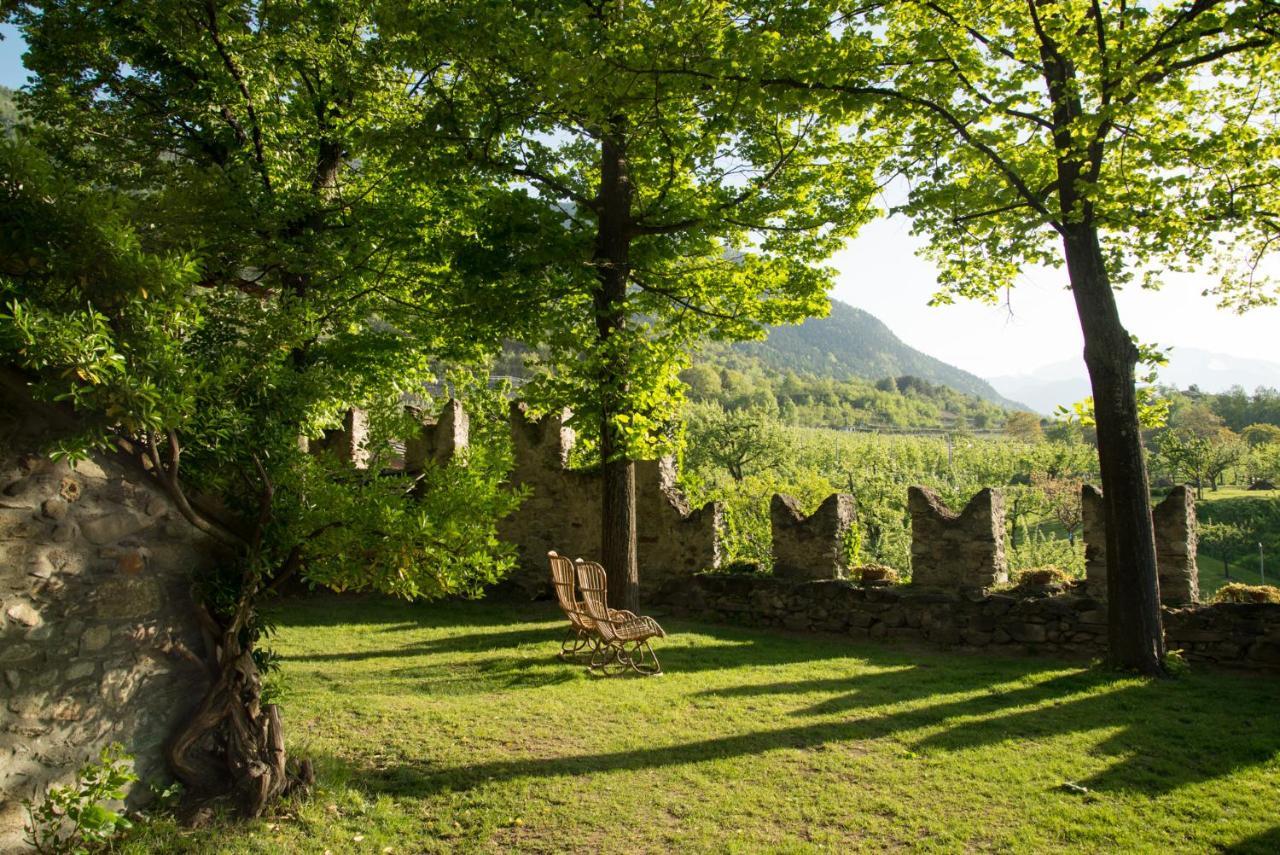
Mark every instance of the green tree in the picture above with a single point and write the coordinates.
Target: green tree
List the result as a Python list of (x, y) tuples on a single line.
[(1261, 434), (1023, 425), (1103, 136), (255, 262), (737, 440), (1226, 541), (689, 207)]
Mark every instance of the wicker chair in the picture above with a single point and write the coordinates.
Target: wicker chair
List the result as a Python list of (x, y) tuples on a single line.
[(624, 636), (582, 635)]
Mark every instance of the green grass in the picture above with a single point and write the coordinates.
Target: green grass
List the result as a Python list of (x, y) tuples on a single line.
[(452, 727)]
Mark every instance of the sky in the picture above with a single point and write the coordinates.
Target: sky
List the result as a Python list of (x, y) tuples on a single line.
[(878, 271)]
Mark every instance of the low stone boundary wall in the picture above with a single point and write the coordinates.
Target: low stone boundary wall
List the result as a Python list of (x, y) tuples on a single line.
[(1068, 623)]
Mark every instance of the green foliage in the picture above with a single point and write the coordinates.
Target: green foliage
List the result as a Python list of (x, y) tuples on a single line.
[(813, 400), (102, 320), (877, 470), (1261, 434), (736, 440), (1038, 549), (1236, 526), (731, 200), (1024, 426), (1196, 457), (78, 818)]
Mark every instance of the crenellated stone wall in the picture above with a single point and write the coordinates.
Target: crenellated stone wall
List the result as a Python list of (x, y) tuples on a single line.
[(950, 550), (562, 511), (1053, 620), (1174, 521), (811, 547), (439, 439), (98, 639)]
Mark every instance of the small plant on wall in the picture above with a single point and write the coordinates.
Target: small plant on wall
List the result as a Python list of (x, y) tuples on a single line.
[(77, 818)]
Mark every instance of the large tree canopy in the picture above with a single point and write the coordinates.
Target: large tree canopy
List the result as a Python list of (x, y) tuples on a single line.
[(686, 205), (220, 253), (1117, 139)]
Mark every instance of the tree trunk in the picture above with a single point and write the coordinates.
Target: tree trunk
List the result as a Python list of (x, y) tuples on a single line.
[(1135, 635), (233, 745), (612, 263)]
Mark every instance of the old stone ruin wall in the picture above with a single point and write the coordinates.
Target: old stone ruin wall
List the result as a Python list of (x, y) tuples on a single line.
[(562, 512), (1174, 521), (959, 596), (98, 637), (957, 551)]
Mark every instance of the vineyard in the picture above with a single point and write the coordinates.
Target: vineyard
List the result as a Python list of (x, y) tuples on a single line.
[(743, 459)]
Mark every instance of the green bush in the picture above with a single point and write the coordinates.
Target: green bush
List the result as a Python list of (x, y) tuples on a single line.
[(76, 819)]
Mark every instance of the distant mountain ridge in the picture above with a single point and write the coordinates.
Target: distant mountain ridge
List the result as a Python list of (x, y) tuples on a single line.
[(851, 342), (1063, 383)]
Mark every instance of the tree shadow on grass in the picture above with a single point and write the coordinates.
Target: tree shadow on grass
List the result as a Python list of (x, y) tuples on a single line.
[(1151, 745), (1265, 843)]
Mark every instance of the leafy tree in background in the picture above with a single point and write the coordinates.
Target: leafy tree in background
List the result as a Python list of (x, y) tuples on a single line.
[(1024, 426), (1103, 136), (216, 255), (737, 440), (687, 209), (1258, 435), (1226, 541)]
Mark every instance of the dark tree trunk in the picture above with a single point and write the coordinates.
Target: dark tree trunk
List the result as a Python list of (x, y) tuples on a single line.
[(612, 263), (233, 745), (1135, 635)]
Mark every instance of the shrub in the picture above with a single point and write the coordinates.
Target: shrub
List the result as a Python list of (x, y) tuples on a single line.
[(77, 818), (875, 573), (1239, 593), (1042, 576)]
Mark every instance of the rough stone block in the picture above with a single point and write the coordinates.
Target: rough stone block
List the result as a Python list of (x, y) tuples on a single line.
[(955, 551), (811, 547), (1174, 524)]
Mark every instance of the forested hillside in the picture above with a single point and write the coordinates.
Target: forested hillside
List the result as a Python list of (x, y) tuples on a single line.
[(851, 343), (736, 380), (8, 110)]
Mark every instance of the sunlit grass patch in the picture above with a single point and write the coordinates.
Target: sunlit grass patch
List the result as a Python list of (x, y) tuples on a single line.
[(453, 727)]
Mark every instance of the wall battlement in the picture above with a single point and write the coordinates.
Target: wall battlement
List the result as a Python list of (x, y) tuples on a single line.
[(562, 511), (811, 547), (1174, 521), (952, 550)]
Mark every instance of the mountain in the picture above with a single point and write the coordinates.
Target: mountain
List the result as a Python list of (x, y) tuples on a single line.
[(1064, 382), (852, 343)]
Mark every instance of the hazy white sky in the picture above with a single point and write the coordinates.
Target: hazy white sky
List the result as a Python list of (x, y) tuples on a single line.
[(879, 272)]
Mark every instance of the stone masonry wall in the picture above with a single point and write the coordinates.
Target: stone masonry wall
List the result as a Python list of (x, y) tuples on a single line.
[(562, 512), (97, 638), (952, 551), (1036, 621), (811, 547), (1174, 520)]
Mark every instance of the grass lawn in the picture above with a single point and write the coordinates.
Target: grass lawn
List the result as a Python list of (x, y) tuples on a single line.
[(452, 727)]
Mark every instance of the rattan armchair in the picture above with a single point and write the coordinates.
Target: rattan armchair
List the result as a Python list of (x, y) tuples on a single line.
[(623, 636), (582, 635)]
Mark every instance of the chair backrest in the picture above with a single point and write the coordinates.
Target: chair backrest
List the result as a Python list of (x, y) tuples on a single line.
[(562, 579), (593, 584)]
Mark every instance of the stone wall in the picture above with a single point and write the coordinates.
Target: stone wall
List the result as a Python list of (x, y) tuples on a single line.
[(97, 638), (952, 551), (1174, 521), (1063, 622), (811, 547), (562, 511)]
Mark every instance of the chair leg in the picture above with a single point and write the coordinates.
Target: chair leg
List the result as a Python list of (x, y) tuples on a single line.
[(643, 660), (574, 643)]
